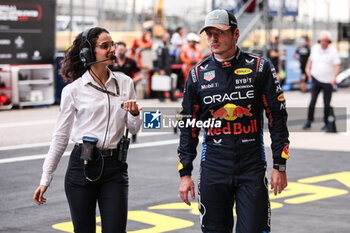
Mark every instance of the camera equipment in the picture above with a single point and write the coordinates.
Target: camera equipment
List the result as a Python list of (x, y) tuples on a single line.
[(88, 152), (123, 147)]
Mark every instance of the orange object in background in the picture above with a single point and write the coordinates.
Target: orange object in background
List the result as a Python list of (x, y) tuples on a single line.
[(190, 55), (139, 44)]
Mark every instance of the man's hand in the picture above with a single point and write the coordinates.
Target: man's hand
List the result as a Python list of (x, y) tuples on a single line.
[(308, 69), (186, 185), (336, 72), (278, 181)]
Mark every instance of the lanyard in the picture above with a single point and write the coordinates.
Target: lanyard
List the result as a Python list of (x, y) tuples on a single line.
[(106, 91)]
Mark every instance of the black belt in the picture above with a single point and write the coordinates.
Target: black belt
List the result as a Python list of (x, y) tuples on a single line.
[(105, 152), (109, 152)]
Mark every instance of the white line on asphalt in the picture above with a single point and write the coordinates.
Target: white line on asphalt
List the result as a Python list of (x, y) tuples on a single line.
[(25, 146), (346, 133), (133, 146), (34, 145), (150, 144), (27, 158), (26, 123)]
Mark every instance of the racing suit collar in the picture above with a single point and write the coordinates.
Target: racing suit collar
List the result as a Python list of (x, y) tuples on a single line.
[(228, 63)]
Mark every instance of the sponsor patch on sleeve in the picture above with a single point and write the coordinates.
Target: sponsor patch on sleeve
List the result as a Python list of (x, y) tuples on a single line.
[(285, 152), (180, 166), (193, 74), (281, 97), (261, 65), (274, 75)]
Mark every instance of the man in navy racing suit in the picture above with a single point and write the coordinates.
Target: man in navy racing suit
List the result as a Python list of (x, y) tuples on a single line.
[(227, 94)]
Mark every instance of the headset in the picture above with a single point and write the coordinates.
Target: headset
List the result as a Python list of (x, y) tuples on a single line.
[(86, 52)]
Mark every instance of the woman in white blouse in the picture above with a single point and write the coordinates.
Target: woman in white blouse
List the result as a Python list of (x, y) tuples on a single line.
[(99, 105)]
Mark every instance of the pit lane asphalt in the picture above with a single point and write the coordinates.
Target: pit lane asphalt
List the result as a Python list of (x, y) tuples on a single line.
[(154, 179)]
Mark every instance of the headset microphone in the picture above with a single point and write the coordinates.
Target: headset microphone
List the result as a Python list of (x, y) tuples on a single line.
[(94, 62)]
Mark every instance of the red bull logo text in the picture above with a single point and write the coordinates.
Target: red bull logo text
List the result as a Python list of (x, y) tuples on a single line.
[(230, 112), (234, 128)]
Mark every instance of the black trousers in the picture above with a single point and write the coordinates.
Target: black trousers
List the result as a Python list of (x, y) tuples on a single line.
[(248, 191), (110, 192), (316, 88)]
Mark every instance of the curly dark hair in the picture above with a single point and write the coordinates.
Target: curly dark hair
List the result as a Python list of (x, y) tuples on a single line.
[(71, 66)]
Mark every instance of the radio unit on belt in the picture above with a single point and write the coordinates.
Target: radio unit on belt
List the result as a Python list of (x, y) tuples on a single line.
[(123, 147), (121, 151), (88, 151)]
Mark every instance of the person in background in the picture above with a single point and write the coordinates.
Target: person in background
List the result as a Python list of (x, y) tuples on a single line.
[(176, 42), (275, 55), (233, 87), (302, 53), (127, 66), (322, 68), (163, 63), (140, 44), (91, 113), (191, 53)]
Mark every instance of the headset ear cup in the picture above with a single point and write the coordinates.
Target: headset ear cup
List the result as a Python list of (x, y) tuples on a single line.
[(86, 53), (85, 56)]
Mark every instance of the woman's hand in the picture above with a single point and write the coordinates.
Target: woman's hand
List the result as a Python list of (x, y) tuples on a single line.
[(39, 195), (132, 107)]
